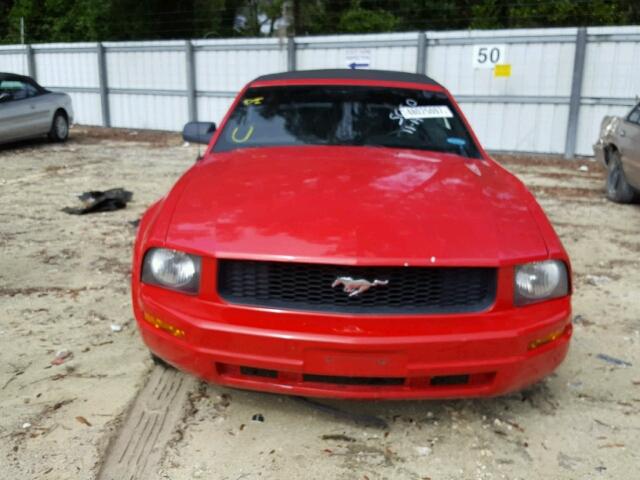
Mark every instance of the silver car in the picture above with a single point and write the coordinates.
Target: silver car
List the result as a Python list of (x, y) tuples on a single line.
[(618, 147), (28, 110)]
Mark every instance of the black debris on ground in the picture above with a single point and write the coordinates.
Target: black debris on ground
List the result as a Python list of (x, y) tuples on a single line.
[(98, 201), (613, 360), (258, 417)]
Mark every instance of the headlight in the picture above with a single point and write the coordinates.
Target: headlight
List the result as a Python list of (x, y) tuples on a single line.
[(540, 281), (171, 269)]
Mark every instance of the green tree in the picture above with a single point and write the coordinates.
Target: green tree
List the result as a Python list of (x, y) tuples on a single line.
[(59, 20), (559, 13), (82, 20), (358, 19), (90, 20), (258, 14), (563, 13), (33, 13), (5, 7)]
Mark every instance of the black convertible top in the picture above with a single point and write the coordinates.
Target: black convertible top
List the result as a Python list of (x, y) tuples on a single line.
[(350, 74), (15, 76), (21, 78)]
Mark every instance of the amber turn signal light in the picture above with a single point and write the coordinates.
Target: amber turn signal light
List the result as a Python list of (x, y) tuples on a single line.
[(547, 339), (162, 325)]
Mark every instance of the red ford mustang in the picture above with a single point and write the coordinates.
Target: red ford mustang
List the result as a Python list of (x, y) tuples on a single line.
[(345, 235)]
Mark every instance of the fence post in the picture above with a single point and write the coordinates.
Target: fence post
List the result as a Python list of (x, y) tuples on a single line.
[(31, 64), (421, 60), (576, 93), (192, 106), (291, 53), (102, 85)]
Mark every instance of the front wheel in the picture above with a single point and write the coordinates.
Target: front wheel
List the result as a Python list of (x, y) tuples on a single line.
[(618, 190), (59, 128), (160, 362)]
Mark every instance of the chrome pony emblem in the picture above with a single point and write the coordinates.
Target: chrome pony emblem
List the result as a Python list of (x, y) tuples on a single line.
[(356, 287)]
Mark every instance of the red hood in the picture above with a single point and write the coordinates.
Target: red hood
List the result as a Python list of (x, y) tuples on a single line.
[(355, 205)]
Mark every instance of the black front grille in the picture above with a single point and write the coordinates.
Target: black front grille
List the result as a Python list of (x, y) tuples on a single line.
[(410, 290)]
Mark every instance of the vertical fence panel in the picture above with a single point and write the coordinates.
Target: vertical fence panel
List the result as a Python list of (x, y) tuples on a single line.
[(146, 65), (147, 84), (509, 113), (611, 80), (392, 51), (541, 61), (71, 68), (13, 59), (222, 67)]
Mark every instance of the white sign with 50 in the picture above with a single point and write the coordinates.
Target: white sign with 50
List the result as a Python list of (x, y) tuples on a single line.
[(488, 56)]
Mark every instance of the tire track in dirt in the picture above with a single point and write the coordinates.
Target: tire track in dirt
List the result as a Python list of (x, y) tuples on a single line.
[(137, 450)]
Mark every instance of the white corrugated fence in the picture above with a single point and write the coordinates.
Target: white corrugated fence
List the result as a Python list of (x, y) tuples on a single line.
[(546, 91)]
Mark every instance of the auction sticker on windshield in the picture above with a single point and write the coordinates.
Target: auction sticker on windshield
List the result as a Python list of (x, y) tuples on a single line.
[(427, 111)]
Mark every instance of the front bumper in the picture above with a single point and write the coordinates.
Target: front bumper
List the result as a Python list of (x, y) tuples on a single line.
[(311, 354)]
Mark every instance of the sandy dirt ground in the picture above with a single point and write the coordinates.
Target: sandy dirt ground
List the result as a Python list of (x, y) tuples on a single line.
[(64, 283)]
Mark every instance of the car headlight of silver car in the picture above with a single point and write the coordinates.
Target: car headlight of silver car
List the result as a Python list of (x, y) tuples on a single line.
[(171, 269), (539, 281)]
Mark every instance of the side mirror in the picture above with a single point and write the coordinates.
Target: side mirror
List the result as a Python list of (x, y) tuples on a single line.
[(5, 97), (198, 132)]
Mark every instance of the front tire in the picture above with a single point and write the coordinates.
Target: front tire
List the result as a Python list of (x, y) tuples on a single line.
[(59, 128), (618, 189), (160, 362)]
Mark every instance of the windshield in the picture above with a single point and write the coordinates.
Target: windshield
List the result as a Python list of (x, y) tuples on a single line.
[(346, 115)]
